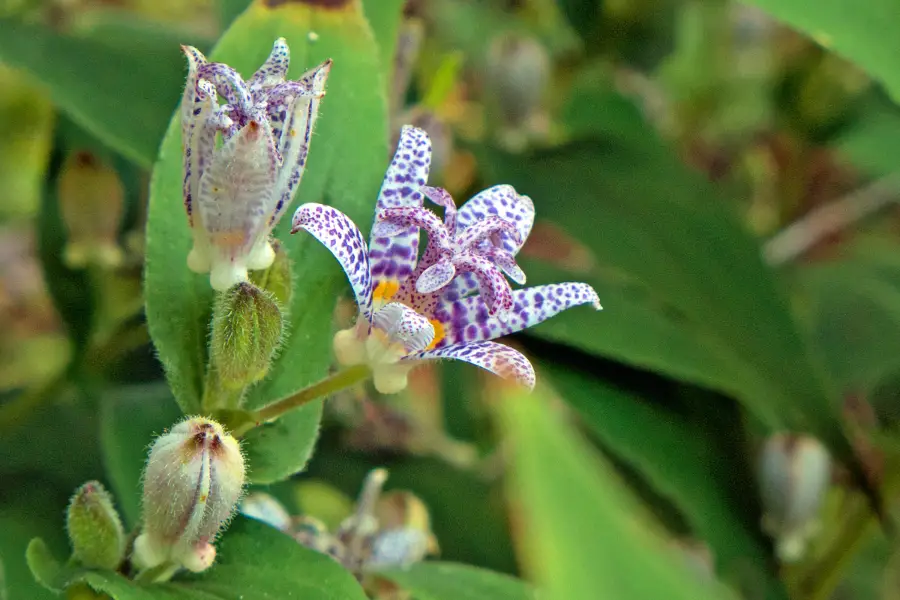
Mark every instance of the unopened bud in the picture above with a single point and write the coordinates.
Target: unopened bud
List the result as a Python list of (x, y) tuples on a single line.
[(95, 529), (91, 201), (794, 473), (192, 483), (246, 332), (404, 535), (277, 278), (518, 71), (265, 508)]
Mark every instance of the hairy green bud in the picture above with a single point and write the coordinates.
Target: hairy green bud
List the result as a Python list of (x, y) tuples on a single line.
[(246, 333), (192, 484), (95, 529)]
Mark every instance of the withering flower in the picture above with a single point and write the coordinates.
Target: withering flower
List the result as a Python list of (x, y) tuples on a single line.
[(243, 158), (456, 299)]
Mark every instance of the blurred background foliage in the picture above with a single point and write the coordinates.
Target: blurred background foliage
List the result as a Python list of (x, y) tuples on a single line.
[(725, 177)]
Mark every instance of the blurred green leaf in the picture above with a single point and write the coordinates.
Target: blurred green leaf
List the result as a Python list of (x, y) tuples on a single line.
[(680, 460), (45, 568), (253, 562), (865, 33), (351, 138), (872, 141), (74, 69), (565, 495), (450, 581), (854, 309), (277, 450), (384, 17), (130, 419), (652, 223)]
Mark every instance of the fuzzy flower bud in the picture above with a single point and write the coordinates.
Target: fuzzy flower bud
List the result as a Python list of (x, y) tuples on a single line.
[(95, 529), (91, 201), (794, 473), (518, 70), (192, 484), (246, 332)]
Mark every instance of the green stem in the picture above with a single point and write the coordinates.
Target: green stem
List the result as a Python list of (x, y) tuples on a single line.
[(333, 383)]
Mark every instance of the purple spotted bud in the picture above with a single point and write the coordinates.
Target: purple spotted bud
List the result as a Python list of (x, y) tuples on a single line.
[(192, 484), (246, 332), (91, 201), (95, 529), (794, 473)]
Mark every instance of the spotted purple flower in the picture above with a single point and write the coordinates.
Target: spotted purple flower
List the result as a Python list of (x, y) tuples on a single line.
[(243, 157), (455, 299)]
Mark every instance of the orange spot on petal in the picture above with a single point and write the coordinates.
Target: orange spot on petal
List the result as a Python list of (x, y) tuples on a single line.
[(439, 333)]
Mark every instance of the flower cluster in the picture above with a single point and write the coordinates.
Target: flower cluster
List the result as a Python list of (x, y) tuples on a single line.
[(243, 158), (455, 299)]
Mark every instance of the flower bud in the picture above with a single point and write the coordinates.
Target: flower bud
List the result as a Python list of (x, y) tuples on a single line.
[(404, 535), (246, 332), (518, 70), (91, 200), (95, 529), (277, 278), (794, 473), (192, 483)]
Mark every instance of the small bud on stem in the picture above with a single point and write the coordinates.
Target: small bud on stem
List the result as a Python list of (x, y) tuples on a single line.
[(95, 529)]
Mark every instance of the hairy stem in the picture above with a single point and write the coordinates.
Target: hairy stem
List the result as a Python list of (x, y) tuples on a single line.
[(333, 383)]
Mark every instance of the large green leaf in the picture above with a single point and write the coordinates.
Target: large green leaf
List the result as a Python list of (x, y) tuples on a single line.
[(384, 17), (346, 162), (253, 562), (130, 418), (650, 222), (450, 581), (139, 83), (864, 32), (681, 461), (571, 506)]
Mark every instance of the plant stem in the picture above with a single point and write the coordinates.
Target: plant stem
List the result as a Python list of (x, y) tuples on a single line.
[(331, 384), (159, 573)]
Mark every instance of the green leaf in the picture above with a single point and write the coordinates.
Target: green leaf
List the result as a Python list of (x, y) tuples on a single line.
[(559, 487), (130, 418), (871, 141), (385, 17), (648, 221), (43, 565), (865, 33), (450, 581), (277, 450), (681, 461), (346, 164), (253, 562), (140, 87)]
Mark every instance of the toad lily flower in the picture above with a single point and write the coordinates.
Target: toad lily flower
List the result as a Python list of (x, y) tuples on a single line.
[(237, 187), (454, 300)]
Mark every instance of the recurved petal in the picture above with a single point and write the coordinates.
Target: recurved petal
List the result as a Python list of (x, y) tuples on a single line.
[(467, 319), (435, 277), (493, 289), (394, 258), (489, 227), (496, 358), (341, 236), (391, 222), (275, 69), (230, 86), (502, 201), (442, 197)]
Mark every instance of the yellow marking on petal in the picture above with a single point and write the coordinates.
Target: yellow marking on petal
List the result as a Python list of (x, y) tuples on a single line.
[(439, 333), (385, 290), (228, 239)]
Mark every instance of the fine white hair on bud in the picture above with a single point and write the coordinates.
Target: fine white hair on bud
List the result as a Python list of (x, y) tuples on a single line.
[(192, 483)]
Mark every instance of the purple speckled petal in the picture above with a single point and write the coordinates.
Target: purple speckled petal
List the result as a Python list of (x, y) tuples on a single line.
[(198, 133), (295, 136), (235, 198), (496, 358), (274, 70), (232, 87), (442, 198), (494, 290), (394, 258), (341, 236), (467, 320), (507, 263), (435, 277), (501, 201), (494, 227), (393, 221), (404, 325)]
